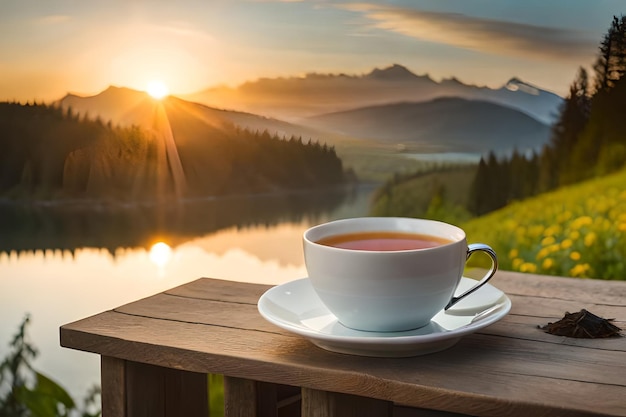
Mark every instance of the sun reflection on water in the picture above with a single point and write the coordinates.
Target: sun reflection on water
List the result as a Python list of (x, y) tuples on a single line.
[(160, 254)]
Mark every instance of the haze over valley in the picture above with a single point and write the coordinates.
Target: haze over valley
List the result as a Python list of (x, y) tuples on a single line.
[(390, 107)]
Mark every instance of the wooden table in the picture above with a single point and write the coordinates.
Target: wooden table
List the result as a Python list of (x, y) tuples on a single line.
[(156, 353)]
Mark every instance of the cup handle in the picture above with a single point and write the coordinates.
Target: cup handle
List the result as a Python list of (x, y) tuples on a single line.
[(494, 266)]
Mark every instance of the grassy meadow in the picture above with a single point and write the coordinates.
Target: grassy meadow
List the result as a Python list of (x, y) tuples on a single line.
[(575, 231)]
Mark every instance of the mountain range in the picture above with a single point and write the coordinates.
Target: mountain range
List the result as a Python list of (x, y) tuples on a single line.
[(294, 98), (390, 106), (448, 123)]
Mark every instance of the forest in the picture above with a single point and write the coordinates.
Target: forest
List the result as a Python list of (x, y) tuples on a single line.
[(47, 152)]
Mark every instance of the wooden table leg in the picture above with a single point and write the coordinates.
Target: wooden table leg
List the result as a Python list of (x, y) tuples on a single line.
[(239, 397), (112, 380), (317, 403), (133, 389)]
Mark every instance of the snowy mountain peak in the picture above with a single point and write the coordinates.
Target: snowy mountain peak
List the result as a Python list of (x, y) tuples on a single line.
[(515, 84)]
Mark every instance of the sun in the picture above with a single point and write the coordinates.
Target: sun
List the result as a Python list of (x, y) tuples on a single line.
[(160, 254), (157, 89)]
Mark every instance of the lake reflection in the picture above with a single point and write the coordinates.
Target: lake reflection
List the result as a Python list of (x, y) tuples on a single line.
[(60, 264)]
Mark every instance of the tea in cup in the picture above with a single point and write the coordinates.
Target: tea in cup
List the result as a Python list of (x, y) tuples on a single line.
[(388, 274)]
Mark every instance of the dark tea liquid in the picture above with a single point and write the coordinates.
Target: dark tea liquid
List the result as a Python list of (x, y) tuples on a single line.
[(383, 241)]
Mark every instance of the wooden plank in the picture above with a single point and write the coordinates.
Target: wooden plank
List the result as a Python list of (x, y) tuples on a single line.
[(525, 311), (186, 393), (317, 403), (561, 288), (145, 390), (554, 297), (496, 374), (400, 411), (239, 397), (189, 310), (266, 399), (220, 290), (554, 309), (562, 299), (113, 385), (155, 391), (526, 327)]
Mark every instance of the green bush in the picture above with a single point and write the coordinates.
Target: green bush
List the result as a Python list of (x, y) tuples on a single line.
[(25, 392)]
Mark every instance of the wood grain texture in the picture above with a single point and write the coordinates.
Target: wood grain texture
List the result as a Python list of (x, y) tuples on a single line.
[(316, 403), (240, 397), (156, 391), (509, 368), (113, 385), (145, 390)]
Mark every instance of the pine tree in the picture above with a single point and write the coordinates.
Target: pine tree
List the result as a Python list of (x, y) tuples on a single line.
[(477, 200), (567, 130), (611, 63)]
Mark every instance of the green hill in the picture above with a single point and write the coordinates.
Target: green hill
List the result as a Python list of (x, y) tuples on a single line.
[(450, 123), (577, 231)]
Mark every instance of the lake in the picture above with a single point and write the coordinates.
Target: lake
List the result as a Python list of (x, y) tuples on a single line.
[(447, 157), (62, 262)]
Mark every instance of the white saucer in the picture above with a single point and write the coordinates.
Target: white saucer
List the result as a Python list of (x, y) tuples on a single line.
[(294, 306)]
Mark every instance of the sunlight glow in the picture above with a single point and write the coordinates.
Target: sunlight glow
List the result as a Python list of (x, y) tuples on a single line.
[(157, 89), (160, 254)]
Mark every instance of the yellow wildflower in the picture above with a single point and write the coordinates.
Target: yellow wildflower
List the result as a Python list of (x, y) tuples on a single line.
[(543, 252), (566, 244), (581, 221), (517, 262), (574, 235), (590, 238), (554, 248), (547, 241), (622, 227), (574, 256), (547, 263), (579, 270), (513, 253), (528, 267), (552, 230)]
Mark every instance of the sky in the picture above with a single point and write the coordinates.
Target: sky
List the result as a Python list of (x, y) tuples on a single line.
[(52, 47)]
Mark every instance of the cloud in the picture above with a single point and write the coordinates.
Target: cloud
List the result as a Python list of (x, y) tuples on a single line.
[(53, 19), (490, 36)]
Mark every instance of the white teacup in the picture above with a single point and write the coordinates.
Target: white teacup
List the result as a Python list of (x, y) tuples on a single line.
[(398, 285)]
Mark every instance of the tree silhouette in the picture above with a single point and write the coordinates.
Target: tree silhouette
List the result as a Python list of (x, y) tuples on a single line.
[(568, 128), (611, 62), (46, 152)]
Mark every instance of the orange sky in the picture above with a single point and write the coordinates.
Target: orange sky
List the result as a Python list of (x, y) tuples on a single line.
[(51, 48)]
